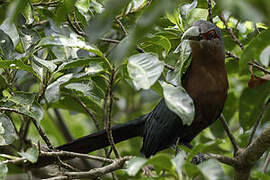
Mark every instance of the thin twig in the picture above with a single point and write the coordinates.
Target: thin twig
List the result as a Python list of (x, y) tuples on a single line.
[(109, 115), (121, 26), (258, 121), (267, 161), (42, 134), (14, 161), (231, 55), (91, 114), (210, 11), (68, 154), (169, 67), (259, 67), (110, 40), (230, 31), (62, 125), (229, 133)]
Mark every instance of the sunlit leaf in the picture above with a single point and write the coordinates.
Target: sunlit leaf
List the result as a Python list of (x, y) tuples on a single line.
[(178, 162), (31, 154), (265, 56), (7, 131), (16, 64), (212, 170), (6, 45), (73, 42), (179, 102), (253, 50), (46, 63), (3, 170), (134, 165), (144, 69), (23, 98)]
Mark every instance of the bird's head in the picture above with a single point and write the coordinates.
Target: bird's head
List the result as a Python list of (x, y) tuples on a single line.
[(205, 40)]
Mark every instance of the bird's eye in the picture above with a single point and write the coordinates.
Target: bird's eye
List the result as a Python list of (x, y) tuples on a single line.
[(211, 34)]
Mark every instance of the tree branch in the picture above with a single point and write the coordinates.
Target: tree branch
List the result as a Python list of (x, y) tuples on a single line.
[(223, 159), (258, 66), (91, 114), (258, 121), (230, 31), (210, 11), (94, 173), (109, 115), (229, 54), (229, 133)]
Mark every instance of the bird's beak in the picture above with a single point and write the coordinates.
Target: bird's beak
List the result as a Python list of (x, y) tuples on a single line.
[(192, 33)]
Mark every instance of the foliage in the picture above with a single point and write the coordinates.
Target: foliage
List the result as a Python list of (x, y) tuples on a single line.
[(57, 58)]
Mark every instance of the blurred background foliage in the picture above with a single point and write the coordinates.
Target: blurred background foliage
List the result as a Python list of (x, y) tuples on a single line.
[(56, 55)]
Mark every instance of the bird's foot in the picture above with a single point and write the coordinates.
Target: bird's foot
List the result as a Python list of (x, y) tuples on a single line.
[(199, 158)]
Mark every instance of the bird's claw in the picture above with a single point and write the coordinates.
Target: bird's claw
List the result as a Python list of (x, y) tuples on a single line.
[(199, 158)]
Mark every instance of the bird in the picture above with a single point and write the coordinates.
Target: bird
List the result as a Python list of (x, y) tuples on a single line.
[(206, 83)]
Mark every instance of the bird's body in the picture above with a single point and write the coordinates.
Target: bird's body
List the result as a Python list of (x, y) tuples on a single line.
[(205, 82)]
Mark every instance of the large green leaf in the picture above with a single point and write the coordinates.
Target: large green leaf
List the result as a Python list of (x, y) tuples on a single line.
[(179, 102), (251, 103), (16, 64), (253, 50), (31, 154), (212, 170), (73, 42), (46, 63), (7, 131), (144, 69), (6, 45)]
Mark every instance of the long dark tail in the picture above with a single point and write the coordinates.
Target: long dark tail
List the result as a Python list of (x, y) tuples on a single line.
[(99, 139)]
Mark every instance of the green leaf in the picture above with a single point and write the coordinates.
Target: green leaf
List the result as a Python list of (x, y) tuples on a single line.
[(178, 161), (161, 162), (73, 42), (48, 64), (265, 56), (81, 63), (63, 9), (35, 111), (144, 69), (158, 40), (102, 23), (251, 103), (179, 102), (212, 170), (143, 25), (23, 98), (6, 45), (16, 64), (52, 93), (31, 154), (253, 50), (197, 14), (10, 29), (7, 131), (134, 165), (3, 170), (3, 83)]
